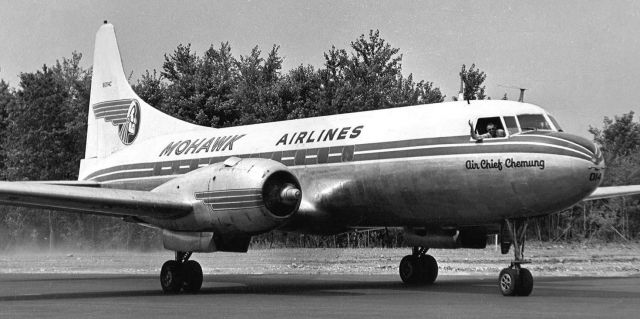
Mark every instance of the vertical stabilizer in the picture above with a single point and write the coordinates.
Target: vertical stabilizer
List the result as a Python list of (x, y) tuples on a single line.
[(118, 118)]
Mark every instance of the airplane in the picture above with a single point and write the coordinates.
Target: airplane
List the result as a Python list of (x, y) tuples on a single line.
[(426, 169)]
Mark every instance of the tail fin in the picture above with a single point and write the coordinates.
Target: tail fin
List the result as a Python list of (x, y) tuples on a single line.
[(117, 116)]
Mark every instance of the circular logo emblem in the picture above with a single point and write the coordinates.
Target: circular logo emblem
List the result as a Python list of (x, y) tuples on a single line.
[(129, 129)]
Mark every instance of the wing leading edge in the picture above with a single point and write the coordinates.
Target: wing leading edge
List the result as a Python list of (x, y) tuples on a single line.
[(100, 201), (614, 191)]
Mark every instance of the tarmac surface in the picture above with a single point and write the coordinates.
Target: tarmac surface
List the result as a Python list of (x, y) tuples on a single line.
[(312, 296)]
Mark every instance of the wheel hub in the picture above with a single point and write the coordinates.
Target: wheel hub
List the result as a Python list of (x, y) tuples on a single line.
[(505, 282)]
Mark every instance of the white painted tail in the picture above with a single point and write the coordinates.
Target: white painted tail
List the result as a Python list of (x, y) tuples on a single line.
[(118, 118)]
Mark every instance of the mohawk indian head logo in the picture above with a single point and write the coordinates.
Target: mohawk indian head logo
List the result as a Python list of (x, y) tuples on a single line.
[(123, 114)]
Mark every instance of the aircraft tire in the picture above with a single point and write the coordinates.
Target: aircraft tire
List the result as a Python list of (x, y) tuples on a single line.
[(170, 277), (508, 282), (410, 271), (525, 285), (192, 274), (429, 269)]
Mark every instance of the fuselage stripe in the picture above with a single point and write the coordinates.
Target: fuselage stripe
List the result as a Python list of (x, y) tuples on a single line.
[(229, 193), (349, 153), (235, 205)]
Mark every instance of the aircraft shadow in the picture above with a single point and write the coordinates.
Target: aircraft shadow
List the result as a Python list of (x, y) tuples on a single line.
[(317, 286)]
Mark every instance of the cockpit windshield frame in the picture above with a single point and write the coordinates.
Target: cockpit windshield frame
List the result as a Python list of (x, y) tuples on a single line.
[(534, 122), (555, 123)]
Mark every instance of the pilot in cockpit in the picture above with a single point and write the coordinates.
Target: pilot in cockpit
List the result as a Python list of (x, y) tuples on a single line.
[(492, 132)]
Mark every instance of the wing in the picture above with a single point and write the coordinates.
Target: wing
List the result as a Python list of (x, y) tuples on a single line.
[(614, 191), (67, 183), (91, 200)]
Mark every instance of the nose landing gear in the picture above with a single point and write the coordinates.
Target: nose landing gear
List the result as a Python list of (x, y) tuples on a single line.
[(515, 280), (181, 274), (418, 268)]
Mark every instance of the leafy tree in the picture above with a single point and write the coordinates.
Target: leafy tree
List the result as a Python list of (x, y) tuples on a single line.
[(256, 96), (219, 80), (184, 97), (197, 89), (371, 72), (48, 122), (407, 92), (302, 91), (217, 89), (48, 127), (366, 77), (473, 79), (369, 78), (619, 140), (7, 101), (619, 137), (152, 89)]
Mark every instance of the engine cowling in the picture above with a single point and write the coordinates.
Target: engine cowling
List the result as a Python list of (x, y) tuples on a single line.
[(234, 199)]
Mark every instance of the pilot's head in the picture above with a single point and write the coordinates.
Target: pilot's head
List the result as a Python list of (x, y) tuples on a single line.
[(491, 129)]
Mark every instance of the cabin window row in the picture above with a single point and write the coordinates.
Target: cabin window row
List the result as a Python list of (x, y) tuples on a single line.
[(334, 154)]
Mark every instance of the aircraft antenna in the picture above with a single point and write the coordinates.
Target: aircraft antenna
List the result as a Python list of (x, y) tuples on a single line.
[(521, 98)]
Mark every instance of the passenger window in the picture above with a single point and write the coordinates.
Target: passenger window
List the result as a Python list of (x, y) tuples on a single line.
[(533, 122), (512, 125)]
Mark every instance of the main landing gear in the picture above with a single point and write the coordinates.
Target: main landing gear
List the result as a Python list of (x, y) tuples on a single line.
[(181, 273), (418, 268), (515, 280)]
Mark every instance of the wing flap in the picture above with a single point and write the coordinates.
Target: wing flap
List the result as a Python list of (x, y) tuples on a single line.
[(614, 191), (91, 200)]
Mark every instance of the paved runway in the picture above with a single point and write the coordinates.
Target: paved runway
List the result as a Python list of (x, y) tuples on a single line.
[(312, 296)]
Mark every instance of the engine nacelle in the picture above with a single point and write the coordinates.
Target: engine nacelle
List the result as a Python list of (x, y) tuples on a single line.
[(188, 241), (467, 237), (234, 199), (204, 242)]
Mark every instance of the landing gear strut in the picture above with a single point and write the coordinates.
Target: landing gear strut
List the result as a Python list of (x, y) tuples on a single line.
[(181, 273), (515, 280), (418, 268)]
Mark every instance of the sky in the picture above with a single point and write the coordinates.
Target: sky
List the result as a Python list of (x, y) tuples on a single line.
[(577, 59)]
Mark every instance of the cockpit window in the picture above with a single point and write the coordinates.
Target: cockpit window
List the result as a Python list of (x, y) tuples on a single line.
[(533, 122), (489, 127), (555, 123), (512, 125)]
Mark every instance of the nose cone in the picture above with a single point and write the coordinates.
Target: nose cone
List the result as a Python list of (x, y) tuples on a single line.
[(574, 168), (592, 176), (583, 145)]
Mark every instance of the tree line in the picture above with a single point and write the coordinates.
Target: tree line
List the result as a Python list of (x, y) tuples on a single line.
[(43, 130)]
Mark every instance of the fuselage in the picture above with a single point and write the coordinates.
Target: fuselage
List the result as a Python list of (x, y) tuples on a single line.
[(408, 166)]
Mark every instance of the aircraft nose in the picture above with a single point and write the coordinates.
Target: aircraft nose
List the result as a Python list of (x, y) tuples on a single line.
[(587, 147)]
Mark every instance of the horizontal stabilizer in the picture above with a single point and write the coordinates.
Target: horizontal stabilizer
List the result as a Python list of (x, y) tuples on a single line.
[(614, 191), (103, 201)]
